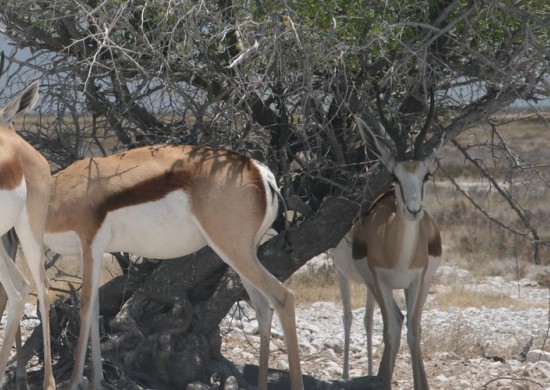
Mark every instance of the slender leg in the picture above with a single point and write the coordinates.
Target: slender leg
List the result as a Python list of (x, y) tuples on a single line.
[(32, 249), (90, 284), (250, 270), (264, 314), (9, 248), (237, 247), (17, 289), (11, 243), (97, 366), (393, 321), (415, 297), (3, 300), (347, 319), (368, 320)]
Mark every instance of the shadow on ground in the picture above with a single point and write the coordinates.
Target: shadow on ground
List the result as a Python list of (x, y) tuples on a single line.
[(279, 380)]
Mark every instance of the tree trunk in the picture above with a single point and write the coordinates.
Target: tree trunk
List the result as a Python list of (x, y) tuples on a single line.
[(166, 333)]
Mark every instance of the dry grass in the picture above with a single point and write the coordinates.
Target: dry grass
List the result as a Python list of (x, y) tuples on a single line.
[(320, 284), (462, 297), (465, 342)]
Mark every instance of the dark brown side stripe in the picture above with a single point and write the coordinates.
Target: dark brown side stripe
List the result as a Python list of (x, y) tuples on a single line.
[(359, 249), (435, 247), (11, 173), (148, 190)]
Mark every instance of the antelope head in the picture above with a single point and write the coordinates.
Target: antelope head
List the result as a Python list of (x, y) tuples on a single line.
[(409, 176)]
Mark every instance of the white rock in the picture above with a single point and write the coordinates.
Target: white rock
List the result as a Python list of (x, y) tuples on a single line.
[(334, 367), (502, 331), (528, 283), (247, 355), (336, 344), (536, 355), (282, 365), (465, 384), (328, 354), (543, 367), (442, 378), (273, 347), (251, 328), (240, 310)]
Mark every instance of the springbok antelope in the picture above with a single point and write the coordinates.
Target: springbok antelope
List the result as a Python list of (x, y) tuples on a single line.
[(396, 245), (24, 197), (164, 202)]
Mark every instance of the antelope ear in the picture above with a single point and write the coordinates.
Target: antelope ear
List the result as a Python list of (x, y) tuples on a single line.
[(384, 153), (430, 158), (21, 104)]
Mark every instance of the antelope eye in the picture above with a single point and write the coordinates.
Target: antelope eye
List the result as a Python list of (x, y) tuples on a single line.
[(394, 178), (427, 177)]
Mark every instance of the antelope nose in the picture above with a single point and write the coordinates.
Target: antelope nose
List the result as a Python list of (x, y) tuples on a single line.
[(415, 211), (414, 207)]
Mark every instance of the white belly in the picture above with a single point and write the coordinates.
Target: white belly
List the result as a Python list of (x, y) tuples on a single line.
[(398, 278), (12, 203), (162, 229)]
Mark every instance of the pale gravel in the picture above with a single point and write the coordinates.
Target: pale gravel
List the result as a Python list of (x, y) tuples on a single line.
[(460, 344)]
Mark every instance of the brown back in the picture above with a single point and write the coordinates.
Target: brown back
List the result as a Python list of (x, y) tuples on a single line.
[(216, 181)]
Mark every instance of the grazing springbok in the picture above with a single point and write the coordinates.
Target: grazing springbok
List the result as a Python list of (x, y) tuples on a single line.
[(164, 202), (395, 245), (24, 198)]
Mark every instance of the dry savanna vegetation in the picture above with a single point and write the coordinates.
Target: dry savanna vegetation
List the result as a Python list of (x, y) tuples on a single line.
[(472, 241)]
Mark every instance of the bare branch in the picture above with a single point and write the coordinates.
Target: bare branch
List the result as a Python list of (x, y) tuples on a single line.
[(533, 235)]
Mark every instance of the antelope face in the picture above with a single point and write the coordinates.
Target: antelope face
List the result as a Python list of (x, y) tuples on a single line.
[(409, 178)]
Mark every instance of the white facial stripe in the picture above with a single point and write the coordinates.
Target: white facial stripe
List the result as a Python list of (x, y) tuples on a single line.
[(410, 177)]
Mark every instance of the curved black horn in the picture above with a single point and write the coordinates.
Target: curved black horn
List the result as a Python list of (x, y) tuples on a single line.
[(419, 141), (2, 62), (380, 109)]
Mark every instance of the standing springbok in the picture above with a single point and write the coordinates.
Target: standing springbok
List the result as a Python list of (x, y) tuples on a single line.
[(24, 197), (164, 202), (396, 245)]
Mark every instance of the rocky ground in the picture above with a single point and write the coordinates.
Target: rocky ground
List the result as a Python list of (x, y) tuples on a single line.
[(464, 348), (467, 348)]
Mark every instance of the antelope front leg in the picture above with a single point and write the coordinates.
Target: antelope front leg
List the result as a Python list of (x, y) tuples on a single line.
[(17, 290), (416, 297), (347, 319), (393, 322), (32, 249), (368, 320)]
